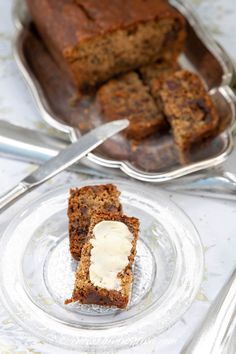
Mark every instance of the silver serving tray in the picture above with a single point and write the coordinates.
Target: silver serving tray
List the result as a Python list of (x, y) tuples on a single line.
[(202, 55)]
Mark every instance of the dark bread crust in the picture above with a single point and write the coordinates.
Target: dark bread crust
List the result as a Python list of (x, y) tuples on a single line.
[(85, 292), (96, 40), (127, 97), (189, 110), (82, 204)]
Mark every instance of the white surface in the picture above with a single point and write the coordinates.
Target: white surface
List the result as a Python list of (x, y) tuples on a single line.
[(214, 219)]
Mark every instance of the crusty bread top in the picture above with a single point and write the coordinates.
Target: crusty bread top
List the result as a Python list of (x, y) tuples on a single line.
[(70, 22)]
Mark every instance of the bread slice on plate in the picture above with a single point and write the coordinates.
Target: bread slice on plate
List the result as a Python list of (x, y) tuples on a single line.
[(82, 203), (104, 275)]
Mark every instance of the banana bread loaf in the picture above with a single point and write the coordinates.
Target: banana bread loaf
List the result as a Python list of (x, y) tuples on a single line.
[(95, 40), (82, 204), (104, 275)]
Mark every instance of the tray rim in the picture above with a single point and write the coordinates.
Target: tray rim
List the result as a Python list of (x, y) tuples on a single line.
[(21, 18)]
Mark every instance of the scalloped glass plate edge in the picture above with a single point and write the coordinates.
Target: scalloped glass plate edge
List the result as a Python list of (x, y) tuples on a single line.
[(121, 336)]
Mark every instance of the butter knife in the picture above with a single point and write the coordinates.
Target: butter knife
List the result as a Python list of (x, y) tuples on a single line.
[(37, 147), (63, 160)]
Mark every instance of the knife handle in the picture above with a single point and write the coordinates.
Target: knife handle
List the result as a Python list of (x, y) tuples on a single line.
[(216, 331), (28, 145), (13, 194)]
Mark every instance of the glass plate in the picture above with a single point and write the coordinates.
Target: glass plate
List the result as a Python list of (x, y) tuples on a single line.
[(37, 272)]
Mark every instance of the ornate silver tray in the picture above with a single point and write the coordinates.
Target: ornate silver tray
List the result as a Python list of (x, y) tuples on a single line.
[(155, 159)]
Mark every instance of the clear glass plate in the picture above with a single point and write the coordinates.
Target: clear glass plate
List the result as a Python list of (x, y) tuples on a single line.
[(37, 272)]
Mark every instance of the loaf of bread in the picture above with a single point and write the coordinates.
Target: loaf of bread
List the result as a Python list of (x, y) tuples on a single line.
[(95, 40), (104, 275)]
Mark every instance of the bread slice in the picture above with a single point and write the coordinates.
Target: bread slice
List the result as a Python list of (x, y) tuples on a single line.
[(189, 110), (153, 76), (158, 70), (85, 291), (95, 40), (82, 204), (127, 97)]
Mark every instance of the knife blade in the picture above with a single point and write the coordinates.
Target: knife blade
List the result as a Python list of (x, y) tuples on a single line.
[(63, 160)]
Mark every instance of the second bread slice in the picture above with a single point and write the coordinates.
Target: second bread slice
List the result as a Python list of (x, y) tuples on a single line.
[(83, 202)]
